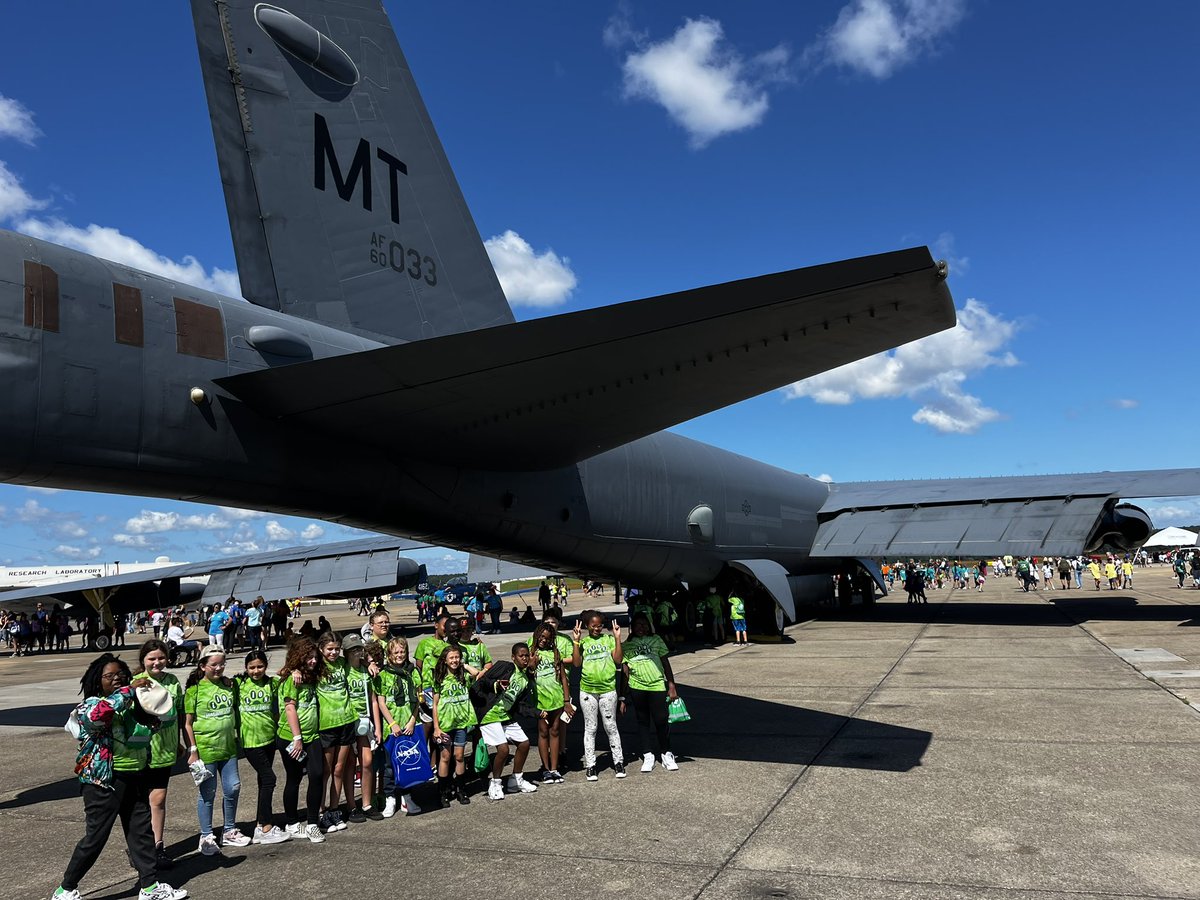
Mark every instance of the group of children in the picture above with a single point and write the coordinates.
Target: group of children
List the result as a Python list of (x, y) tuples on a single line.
[(335, 701)]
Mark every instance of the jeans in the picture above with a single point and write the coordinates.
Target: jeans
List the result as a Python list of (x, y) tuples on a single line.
[(606, 705), (226, 771), (130, 800)]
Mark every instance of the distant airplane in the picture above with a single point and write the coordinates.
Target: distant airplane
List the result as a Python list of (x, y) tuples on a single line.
[(374, 308)]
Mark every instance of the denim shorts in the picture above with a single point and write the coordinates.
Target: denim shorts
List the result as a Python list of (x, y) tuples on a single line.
[(739, 624)]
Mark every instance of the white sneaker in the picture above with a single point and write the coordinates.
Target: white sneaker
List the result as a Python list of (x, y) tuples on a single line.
[(389, 807), (669, 762), (295, 829), (338, 820), (162, 891), (60, 894), (234, 838), (647, 762), (518, 785), (208, 845), (314, 834), (274, 836), (495, 789), (408, 805)]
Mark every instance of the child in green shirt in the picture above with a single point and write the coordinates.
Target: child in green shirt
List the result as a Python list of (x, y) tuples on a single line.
[(298, 736), (257, 720), (210, 709), (597, 655), (398, 701), (362, 699), (453, 714), (165, 746), (498, 730)]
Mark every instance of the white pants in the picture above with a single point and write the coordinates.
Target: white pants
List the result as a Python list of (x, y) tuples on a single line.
[(218, 639), (606, 704)]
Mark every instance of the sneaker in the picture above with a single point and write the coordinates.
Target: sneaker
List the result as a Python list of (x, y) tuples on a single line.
[(60, 894), (389, 807), (339, 820), (669, 762), (356, 816), (408, 805), (208, 845), (555, 777), (314, 834), (372, 813), (620, 767), (647, 762), (495, 789), (162, 891), (460, 794), (591, 774), (518, 785), (234, 838), (274, 836), (295, 829), (326, 822)]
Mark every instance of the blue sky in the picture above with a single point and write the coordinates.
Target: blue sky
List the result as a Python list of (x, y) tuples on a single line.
[(621, 151)]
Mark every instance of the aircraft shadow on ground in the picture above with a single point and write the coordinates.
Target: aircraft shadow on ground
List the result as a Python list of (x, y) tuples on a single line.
[(53, 715), (1059, 612), (736, 727)]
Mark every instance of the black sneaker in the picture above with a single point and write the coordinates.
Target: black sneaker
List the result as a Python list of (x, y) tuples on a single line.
[(373, 814), (162, 861), (591, 774), (356, 817), (620, 767), (461, 795)]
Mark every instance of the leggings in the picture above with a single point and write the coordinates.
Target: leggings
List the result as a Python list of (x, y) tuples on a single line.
[(606, 705), (260, 759), (650, 708), (314, 767)]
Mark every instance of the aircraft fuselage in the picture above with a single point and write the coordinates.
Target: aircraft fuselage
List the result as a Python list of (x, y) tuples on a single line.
[(100, 363)]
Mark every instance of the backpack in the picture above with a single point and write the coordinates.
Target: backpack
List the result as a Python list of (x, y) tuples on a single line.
[(483, 691)]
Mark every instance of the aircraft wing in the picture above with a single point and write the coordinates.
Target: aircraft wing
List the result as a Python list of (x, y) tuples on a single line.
[(364, 566), (588, 381), (1049, 515)]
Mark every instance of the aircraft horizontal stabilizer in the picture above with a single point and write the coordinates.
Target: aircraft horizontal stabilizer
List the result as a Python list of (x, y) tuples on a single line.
[(981, 518), (553, 391)]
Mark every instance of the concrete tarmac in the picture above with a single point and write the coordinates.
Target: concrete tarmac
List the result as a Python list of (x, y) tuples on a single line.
[(997, 746)]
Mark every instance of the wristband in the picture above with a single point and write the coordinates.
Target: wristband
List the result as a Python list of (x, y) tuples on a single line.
[(297, 737), (192, 749)]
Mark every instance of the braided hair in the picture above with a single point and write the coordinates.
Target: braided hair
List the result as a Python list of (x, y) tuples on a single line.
[(89, 684)]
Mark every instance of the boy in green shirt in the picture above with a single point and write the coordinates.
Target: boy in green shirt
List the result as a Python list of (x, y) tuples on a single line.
[(737, 613), (498, 730)]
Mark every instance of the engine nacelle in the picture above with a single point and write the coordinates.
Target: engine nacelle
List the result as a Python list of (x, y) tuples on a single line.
[(1123, 527)]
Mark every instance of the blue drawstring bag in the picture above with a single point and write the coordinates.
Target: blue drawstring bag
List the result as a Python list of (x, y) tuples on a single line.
[(409, 754)]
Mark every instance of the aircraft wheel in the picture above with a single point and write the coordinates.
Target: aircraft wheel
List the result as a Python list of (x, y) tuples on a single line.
[(780, 618), (102, 642)]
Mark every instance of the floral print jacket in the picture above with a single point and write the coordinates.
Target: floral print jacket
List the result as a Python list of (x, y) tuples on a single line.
[(95, 715)]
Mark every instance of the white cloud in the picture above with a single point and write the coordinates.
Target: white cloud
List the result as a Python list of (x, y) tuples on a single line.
[(16, 121), (312, 532), (111, 244), (931, 370), (238, 548), (1167, 511), (276, 532), (530, 279), (153, 521), (705, 86), (43, 490), (15, 201), (876, 37), (131, 540), (31, 511), (76, 552), (1124, 403), (943, 248), (233, 512), (70, 529)]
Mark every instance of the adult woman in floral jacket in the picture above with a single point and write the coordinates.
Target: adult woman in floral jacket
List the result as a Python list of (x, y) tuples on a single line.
[(109, 713)]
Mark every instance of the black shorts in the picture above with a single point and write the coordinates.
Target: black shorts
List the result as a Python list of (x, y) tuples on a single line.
[(342, 736), (158, 779)]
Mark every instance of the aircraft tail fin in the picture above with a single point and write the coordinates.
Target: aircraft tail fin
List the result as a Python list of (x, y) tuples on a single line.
[(343, 207)]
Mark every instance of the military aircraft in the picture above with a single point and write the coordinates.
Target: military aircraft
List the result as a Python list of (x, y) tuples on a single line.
[(373, 306)]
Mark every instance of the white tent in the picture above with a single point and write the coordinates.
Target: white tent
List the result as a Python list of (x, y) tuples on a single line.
[(1172, 537)]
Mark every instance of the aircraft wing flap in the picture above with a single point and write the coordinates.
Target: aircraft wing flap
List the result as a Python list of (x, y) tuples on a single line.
[(589, 381), (970, 530)]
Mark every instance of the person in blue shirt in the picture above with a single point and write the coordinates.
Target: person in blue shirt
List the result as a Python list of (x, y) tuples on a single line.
[(217, 625)]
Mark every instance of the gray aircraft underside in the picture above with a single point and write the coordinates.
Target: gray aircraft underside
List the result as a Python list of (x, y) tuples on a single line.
[(377, 377)]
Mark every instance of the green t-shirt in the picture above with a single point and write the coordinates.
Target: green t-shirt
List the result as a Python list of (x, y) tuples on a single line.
[(429, 650), (131, 742), (502, 711), (333, 692), (454, 703), (359, 683), (164, 745), (305, 697), (399, 693), (715, 604), (215, 707), (565, 648), (644, 656), (547, 686), (475, 654), (737, 609), (598, 674), (257, 711)]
